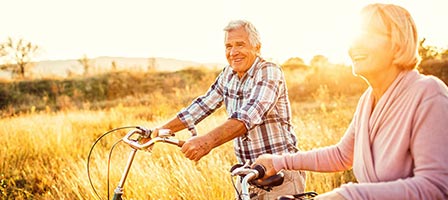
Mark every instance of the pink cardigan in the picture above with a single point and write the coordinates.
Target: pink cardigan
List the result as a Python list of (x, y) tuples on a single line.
[(400, 151)]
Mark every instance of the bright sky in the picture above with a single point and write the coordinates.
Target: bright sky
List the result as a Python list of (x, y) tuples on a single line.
[(192, 29)]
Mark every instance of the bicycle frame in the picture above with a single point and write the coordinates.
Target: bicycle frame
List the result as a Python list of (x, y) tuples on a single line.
[(134, 139)]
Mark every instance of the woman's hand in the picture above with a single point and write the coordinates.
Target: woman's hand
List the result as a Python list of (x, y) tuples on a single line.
[(266, 161)]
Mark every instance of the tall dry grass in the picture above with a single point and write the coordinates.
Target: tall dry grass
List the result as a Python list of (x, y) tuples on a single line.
[(43, 155)]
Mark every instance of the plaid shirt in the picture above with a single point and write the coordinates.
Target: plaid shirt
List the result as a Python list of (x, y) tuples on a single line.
[(260, 100)]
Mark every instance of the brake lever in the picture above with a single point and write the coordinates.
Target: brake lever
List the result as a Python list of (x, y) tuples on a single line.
[(145, 132)]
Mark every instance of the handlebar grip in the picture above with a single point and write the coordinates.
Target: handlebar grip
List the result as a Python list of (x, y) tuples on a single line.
[(261, 171), (272, 181), (181, 143)]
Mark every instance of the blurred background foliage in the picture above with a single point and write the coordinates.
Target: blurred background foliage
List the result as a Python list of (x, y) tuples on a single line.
[(99, 91)]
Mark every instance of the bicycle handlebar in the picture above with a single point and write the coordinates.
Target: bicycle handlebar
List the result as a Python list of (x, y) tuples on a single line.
[(250, 175), (255, 173), (164, 136), (137, 139)]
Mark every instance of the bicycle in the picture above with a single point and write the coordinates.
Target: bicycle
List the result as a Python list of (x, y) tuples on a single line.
[(134, 138), (249, 176)]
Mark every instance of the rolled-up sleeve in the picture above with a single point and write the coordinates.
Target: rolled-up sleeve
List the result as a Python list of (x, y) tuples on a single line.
[(203, 106), (262, 97)]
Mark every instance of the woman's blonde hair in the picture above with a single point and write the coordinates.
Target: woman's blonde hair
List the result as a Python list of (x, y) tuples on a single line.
[(398, 24)]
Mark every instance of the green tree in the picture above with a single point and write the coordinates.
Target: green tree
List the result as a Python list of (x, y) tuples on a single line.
[(319, 61), (294, 63), (152, 64), (2, 51), (434, 61), (427, 52), (86, 64), (444, 54), (17, 55)]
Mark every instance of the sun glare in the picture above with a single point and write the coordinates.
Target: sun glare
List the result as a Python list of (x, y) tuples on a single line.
[(193, 30)]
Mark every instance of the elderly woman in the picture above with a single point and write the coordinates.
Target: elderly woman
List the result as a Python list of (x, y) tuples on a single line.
[(398, 138)]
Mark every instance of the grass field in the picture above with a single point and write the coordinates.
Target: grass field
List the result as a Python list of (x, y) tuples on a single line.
[(49, 125), (43, 154), (43, 151)]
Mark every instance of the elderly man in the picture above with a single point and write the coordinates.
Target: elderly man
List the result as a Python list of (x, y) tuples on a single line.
[(256, 99)]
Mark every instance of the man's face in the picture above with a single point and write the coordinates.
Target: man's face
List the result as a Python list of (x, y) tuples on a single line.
[(239, 52)]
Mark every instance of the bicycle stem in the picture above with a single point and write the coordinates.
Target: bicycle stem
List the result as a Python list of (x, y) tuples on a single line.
[(249, 175), (245, 185)]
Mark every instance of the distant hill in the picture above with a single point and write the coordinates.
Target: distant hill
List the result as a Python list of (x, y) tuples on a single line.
[(64, 68)]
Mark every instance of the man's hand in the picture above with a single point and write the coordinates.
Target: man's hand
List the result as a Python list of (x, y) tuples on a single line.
[(266, 161), (197, 147)]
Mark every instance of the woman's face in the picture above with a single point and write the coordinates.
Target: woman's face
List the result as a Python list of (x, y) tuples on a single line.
[(371, 53)]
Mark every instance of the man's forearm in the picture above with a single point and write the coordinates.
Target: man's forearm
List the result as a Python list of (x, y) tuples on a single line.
[(229, 130), (174, 125)]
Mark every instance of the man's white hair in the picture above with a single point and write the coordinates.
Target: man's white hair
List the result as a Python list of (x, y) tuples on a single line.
[(254, 36)]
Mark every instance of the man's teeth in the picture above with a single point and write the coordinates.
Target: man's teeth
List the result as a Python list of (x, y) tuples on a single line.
[(359, 57)]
